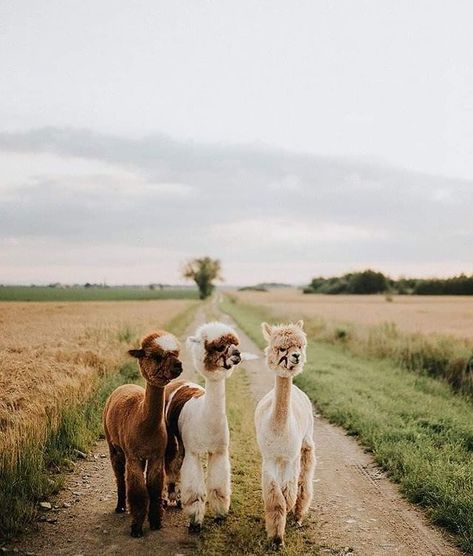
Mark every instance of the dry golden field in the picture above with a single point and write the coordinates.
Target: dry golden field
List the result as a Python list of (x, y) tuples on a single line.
[(446, 315), (52, 355)]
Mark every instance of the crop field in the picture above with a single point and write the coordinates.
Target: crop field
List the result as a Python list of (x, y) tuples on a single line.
[(45, 293), (55, 359), (449, 315)]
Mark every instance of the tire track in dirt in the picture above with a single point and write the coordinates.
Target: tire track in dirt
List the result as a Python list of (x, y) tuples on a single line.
[(356, 508)]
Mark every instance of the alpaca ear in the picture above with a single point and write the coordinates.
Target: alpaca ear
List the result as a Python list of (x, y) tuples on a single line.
[(300, 324), (136, 353), (267, 330), (245, 356)]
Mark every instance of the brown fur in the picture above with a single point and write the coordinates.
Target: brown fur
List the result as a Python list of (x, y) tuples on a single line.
[(177, 394), (218, 349), (136, 434)]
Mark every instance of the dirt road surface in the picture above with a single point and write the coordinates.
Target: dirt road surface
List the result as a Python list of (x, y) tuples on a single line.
[(357, 509)]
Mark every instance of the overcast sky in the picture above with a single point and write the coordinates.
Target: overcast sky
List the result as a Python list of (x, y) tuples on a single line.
[(289, 139)]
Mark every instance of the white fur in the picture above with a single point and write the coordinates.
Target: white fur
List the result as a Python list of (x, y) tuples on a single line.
[(210, 331), (204, 430), (167, 342)]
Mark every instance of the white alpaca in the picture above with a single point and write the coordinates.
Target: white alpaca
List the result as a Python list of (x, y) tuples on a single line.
[(197, 425), (284, 430)]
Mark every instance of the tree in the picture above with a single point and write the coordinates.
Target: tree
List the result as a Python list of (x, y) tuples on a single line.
[(367, 281), (203, 271)]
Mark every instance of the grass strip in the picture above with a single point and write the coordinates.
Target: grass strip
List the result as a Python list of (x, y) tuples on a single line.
[(44, 293), (419, 431)]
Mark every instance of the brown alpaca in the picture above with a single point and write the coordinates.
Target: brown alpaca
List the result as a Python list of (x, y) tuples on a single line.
[(136, 432)]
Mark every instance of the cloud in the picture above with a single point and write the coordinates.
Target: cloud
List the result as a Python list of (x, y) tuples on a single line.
[(248, 205)]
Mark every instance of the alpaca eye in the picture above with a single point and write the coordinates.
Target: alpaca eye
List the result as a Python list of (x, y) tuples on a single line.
[(281, 350), (158, 358), (220, 349)]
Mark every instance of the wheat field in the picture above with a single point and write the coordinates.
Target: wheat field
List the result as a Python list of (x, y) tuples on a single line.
[(53, 354), (447, 315)]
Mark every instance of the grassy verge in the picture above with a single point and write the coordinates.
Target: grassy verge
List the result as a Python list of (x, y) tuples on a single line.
[(416, 427), (243, 531), (43, 293), (38, 469)]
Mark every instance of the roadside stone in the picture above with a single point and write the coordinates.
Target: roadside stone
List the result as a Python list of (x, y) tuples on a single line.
[(45, 506), (66, 505), (79, 454)]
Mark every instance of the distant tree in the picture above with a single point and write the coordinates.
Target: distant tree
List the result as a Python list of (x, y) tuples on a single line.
[(203, 271), (367, 281)]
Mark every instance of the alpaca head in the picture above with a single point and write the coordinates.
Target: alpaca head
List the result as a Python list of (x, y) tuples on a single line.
[(286, 349), (158, 357), (215, 350)]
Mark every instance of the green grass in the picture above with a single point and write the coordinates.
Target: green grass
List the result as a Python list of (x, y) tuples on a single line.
[(39, 470), (417, 428), (44, 293), (243, 531)]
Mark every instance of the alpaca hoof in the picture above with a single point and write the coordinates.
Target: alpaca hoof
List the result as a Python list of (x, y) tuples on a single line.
[(219, 519), (155, 524), (120, 510), (179, 505), (277, 543), (136, 531), (195, 527)]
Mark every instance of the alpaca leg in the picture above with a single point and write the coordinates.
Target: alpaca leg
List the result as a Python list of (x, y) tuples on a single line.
[(193, 490), (218, 484), (136, 494), (117, 458), (172, 474), (275, 509), (155, 484), (306, 477), (290, 474)]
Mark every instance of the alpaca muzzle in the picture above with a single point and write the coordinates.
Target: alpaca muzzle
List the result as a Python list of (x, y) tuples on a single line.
[(176, 369)]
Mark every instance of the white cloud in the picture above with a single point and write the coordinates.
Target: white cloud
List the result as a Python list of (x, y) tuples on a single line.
[(290, 231)]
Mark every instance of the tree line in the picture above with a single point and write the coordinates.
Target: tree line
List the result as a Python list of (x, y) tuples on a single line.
[(370, 281)]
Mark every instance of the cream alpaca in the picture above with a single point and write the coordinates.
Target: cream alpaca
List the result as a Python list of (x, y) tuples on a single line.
[(284, 429), (197, 425)]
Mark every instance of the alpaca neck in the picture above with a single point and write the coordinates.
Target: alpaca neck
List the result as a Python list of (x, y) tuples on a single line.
[(282, 401), (153, 405), (214, 398)]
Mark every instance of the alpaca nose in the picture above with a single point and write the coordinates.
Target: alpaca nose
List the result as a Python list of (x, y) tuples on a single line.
[(236, 357), (296, 356), (177, 369)]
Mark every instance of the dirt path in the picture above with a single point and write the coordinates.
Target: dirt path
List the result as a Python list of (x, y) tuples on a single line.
[(357, 509)]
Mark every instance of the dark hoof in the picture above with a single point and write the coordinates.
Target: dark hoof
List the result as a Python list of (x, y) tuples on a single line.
[(136, 531), (179, 505), (219, 519), (120, 510), (195, 527), (154, 525), (277, 543)]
